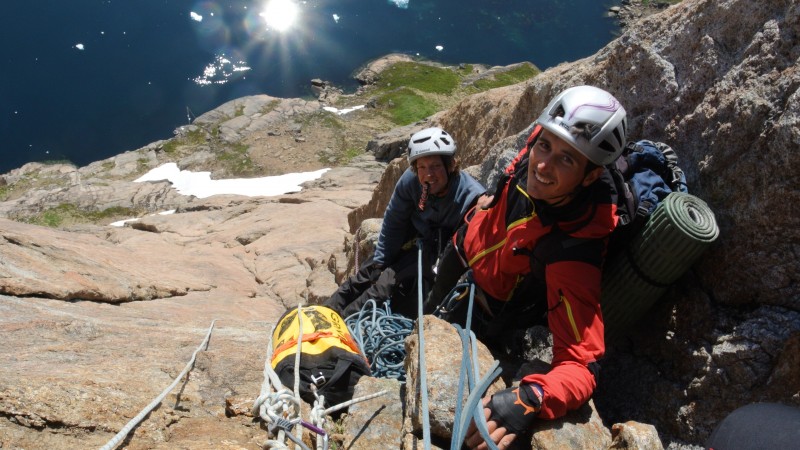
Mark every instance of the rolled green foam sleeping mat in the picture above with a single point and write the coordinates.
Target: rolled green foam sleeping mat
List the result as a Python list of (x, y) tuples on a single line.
[(677, 233)]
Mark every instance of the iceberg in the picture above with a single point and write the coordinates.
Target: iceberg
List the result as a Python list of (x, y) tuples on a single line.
[(403, 4)]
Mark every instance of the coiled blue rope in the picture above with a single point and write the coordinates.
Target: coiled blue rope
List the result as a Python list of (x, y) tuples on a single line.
[(381, 335)]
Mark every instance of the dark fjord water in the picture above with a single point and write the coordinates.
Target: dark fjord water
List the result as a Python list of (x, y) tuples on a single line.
[(83, 80)]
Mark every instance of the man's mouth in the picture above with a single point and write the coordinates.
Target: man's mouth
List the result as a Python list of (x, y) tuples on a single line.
[(542, 180)]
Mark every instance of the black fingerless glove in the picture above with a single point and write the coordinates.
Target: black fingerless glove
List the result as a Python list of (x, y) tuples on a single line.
[(375, 272), (516, 408)]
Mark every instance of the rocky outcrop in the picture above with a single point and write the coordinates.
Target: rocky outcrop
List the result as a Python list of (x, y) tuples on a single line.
[(718, 82), (243, 117), (77, 368), (381, 195), (725, 97), (630, 11), (394, 420), (372, 70)]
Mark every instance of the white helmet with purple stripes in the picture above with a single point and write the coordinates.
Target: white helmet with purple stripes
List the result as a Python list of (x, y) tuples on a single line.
[(590, 119), (430, 141)]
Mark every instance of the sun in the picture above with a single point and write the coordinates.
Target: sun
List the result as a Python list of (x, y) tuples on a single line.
[(280, 15)]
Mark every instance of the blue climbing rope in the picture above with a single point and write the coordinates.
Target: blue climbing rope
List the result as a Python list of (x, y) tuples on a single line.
[(423, 371), (381, 335), (473, 409)]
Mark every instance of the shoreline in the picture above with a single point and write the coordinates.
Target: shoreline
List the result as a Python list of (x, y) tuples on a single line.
[(629, 11)]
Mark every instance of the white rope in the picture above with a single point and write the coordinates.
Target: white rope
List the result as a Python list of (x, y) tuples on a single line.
[(276, 405), (279, 407), (136, 420), (298, 430)]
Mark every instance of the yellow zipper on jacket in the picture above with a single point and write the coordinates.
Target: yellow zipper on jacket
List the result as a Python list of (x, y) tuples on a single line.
[(513, 224), (570, 316), (483, 253)]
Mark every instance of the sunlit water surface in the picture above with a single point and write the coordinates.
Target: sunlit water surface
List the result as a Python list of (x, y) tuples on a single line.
[(84, 80)]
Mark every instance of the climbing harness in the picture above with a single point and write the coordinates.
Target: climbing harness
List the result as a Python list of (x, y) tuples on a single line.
[(149, 408)]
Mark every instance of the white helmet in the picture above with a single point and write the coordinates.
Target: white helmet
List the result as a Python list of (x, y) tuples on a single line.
[(598, 112), (430, 141)]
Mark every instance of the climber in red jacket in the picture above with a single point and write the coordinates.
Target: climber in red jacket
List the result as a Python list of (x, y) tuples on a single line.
[(537, 252)]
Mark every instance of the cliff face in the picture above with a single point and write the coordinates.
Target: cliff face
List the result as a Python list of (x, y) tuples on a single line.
[(717, 80)]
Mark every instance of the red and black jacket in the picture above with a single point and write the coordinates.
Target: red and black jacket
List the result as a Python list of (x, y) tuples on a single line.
[(498, 245)]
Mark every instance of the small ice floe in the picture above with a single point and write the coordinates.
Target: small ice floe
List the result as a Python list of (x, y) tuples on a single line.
[(440, 47), (79, 46), (336, 18), (196, 17), (402, 4)]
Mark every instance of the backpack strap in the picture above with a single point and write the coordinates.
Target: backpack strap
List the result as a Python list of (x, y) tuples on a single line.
[(342, 366), (676, 179), (627, 205)]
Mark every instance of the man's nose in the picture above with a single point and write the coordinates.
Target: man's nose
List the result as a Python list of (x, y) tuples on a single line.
[(543, 164)]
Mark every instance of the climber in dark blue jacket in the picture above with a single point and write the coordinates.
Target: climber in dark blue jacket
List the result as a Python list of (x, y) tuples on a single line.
[(429, 202)]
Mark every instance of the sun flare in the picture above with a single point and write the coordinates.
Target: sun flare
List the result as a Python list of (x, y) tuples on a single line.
[(280, 14)]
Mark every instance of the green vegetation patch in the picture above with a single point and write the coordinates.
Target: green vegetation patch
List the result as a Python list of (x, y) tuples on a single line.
[(236, 160), (435, 80), (322, 118), (405, 106), (269, 107), (69, 214), (195, 136), (30, 181), (516, 75), (53, 162), (142, 165), (349, 154), (465, 69)]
